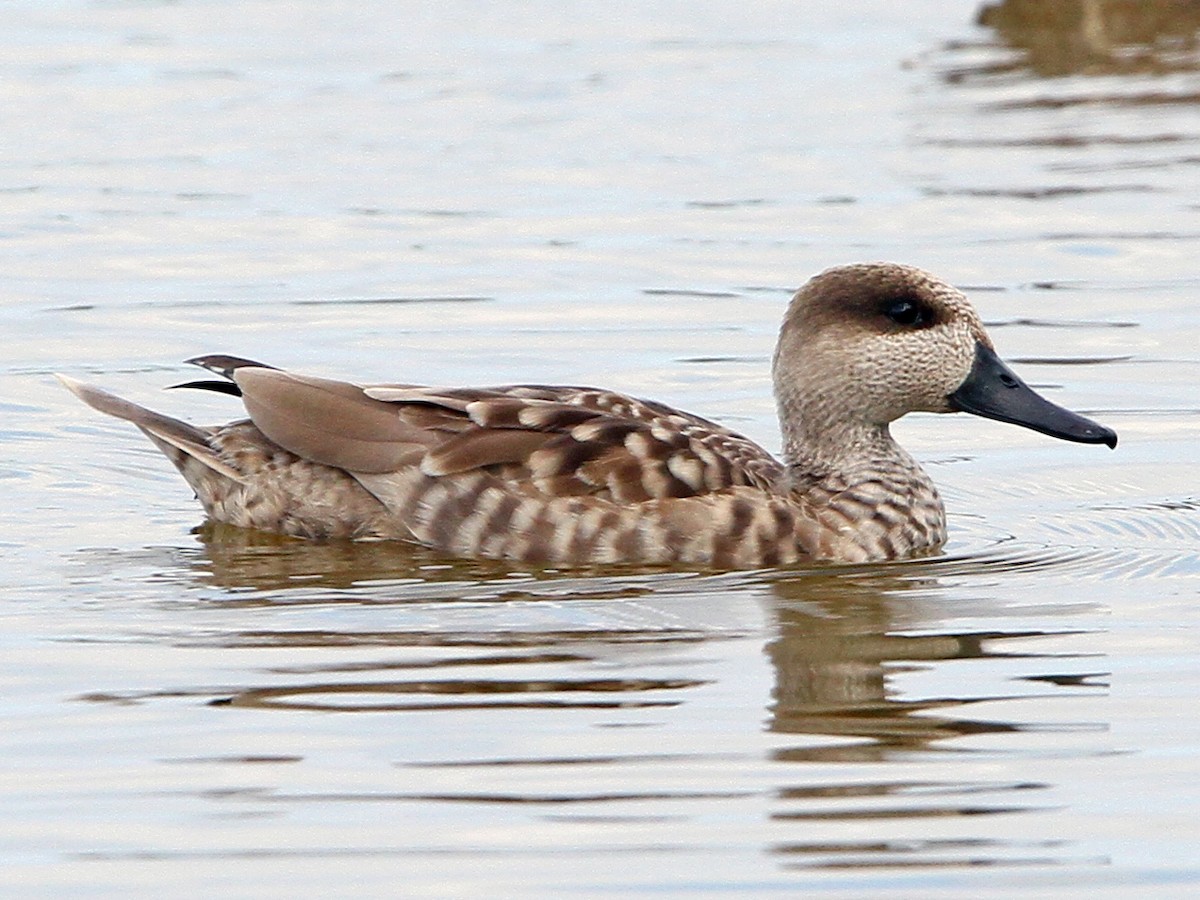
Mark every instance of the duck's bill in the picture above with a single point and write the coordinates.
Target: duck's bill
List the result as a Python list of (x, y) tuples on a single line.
[(994, 391)]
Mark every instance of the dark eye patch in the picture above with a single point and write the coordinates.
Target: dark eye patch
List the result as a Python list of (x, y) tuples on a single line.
[(908, 311)]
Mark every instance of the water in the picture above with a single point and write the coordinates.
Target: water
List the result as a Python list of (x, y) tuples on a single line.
[(473, 194)]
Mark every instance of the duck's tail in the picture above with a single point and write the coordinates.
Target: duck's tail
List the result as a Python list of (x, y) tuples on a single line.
[(180, 442)]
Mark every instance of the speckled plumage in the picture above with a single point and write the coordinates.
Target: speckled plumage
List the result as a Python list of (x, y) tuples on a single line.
[(577, 476)]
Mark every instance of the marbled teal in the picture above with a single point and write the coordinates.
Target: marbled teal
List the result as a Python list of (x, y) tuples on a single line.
[(569, 476)]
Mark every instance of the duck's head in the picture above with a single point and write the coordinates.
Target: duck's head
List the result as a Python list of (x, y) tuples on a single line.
[(865, 344)]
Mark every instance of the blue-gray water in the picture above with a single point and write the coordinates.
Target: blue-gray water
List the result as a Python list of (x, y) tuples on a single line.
[(623, 195)]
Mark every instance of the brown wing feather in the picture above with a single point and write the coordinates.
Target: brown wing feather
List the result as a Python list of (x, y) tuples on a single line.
[(576, 441), (329, 422), (548, 441), (479, 448)]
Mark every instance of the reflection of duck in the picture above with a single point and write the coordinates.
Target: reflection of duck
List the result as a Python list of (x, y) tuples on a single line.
[(883, 791), (1099, 37), (584, 476), (837, 635), (241, 559)]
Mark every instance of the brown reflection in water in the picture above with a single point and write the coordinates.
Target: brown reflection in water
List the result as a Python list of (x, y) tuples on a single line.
[(841, 639), (838, 641), (428, 695), (1098, 37), (838, 637), (243, 559), (255, 570), (513, 694), (917, 853)]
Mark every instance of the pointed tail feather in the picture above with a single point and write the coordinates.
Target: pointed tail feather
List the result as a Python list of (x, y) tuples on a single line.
[(209, 384), (161, 429), (224, 365)]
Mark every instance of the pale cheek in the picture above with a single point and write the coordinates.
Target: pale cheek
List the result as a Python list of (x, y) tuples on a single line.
[(959, 360), (939, 363), (886, 384)]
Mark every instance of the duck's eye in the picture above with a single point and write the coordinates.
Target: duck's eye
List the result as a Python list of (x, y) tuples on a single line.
[(907, 311)]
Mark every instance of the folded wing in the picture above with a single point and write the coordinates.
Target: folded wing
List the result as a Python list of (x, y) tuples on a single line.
[(556, 442)]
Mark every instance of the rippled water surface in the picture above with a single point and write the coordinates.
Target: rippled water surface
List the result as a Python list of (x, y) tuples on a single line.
[(624, 195)]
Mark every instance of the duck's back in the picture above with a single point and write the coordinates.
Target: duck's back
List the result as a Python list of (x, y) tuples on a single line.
[(559, 475)]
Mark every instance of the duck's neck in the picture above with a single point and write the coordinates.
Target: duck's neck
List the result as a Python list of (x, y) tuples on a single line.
[(881, 503), (838, 448), (848, 456), (828, 442)]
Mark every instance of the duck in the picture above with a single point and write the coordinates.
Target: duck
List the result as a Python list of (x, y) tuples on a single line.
[(578, 476)]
